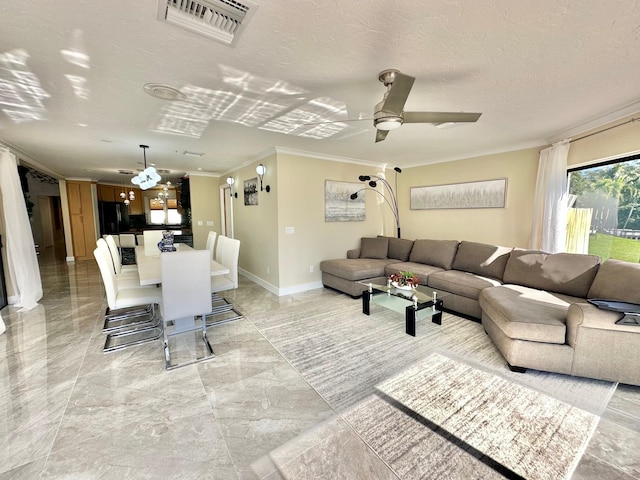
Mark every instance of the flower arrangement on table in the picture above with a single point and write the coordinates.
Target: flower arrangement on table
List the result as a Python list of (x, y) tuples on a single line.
[(404, 280)]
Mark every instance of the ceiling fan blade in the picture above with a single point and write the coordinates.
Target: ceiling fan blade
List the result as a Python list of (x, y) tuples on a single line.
[(381, 135), (440, 117), (397, 95)]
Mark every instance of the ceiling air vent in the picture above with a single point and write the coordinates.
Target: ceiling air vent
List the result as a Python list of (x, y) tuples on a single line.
[(219, 20)]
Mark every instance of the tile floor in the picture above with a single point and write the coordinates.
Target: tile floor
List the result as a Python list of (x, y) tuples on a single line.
[(69, 411)]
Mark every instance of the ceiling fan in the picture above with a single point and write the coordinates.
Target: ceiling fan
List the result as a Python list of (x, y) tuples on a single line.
[(389, 114)]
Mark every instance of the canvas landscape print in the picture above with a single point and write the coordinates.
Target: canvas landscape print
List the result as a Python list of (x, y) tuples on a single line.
[(485, 194), (338, 206)]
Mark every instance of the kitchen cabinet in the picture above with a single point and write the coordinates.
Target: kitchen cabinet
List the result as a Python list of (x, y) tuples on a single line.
[(83, 230)]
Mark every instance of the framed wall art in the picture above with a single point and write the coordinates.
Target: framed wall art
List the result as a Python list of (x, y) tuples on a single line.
[(251, 191), (484, 194), (338, 205)]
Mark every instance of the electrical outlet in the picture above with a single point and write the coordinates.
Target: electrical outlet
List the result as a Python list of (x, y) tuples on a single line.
[(209, 223), (312, 269), (200, 223)]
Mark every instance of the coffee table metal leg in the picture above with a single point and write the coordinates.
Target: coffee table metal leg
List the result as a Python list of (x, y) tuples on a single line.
[(366, 300), (410, 319), (437, 318)]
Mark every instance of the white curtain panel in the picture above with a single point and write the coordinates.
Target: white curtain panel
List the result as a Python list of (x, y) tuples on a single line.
[(549, 229), (21, 252)]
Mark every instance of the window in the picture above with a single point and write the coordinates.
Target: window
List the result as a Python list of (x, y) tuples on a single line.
[(604, 213), (164, 213)]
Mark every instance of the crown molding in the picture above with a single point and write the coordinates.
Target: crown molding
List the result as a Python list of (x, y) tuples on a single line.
[(597, 122)]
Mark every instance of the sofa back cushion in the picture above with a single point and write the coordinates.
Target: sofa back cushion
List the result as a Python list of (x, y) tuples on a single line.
[(439, 253), (617, 280), (399, 248), (376, 247), (482, 259), (567, 273)]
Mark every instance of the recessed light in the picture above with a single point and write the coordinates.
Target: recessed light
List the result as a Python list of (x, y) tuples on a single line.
[(82, 125), (164, 92)]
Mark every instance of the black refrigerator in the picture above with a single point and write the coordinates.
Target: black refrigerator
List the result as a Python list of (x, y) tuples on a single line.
[(114, 217)]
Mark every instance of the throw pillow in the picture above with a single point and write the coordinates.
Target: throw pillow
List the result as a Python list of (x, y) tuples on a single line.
[(374, 247)]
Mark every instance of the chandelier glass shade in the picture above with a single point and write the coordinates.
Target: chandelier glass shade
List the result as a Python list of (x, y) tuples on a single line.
[(149, 177)]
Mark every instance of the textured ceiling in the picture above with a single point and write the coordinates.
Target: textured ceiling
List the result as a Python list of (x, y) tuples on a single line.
[(72, 76)]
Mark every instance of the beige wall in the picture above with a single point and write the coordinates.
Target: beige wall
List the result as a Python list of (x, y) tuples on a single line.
[(301, 205), (504, 226), (296, 200), (256, 226), (205, 207)]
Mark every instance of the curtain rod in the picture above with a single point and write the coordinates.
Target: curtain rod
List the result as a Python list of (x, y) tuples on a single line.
[(603, 130)]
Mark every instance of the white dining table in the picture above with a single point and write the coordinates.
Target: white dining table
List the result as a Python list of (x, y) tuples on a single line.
[(149, 268)]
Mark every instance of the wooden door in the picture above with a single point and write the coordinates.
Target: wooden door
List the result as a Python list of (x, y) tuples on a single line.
[(83, 232)]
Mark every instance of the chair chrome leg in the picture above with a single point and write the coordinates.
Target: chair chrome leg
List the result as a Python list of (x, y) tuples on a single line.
[(209, 353), (137, 321)]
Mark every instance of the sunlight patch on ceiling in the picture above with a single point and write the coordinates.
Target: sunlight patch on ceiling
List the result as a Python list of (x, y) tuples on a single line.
[(21, 95), (76, 53), (272, 105), (78, 85)]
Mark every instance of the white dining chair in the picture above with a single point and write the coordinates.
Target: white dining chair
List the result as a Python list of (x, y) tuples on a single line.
[(127, 240), (134, 328), (140, 239), (211, 243), (116, 257), (220, 283), (186, 299), (127, 278), (219, 246), (152, 237)]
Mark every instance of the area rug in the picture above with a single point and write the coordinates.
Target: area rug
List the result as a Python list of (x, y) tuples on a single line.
[(344, 354), (445, 418)]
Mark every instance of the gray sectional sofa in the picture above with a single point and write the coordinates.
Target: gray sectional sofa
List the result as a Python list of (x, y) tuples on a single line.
[(533, 305)]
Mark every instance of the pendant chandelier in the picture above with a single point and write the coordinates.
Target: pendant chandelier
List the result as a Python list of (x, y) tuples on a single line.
[(148, 178), (123, 196)]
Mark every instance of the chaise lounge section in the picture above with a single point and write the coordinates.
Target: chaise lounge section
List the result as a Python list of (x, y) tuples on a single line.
[(533, 305)]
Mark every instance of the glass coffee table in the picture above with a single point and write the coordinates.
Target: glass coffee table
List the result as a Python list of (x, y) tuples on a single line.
[(418, 303)]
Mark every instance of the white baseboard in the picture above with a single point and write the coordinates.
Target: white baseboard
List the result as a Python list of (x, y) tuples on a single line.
[(280, 291)]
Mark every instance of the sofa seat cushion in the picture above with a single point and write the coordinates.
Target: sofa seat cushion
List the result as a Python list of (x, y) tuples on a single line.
[(461, 283), (524, 313), (421, 270), (355, 268)]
